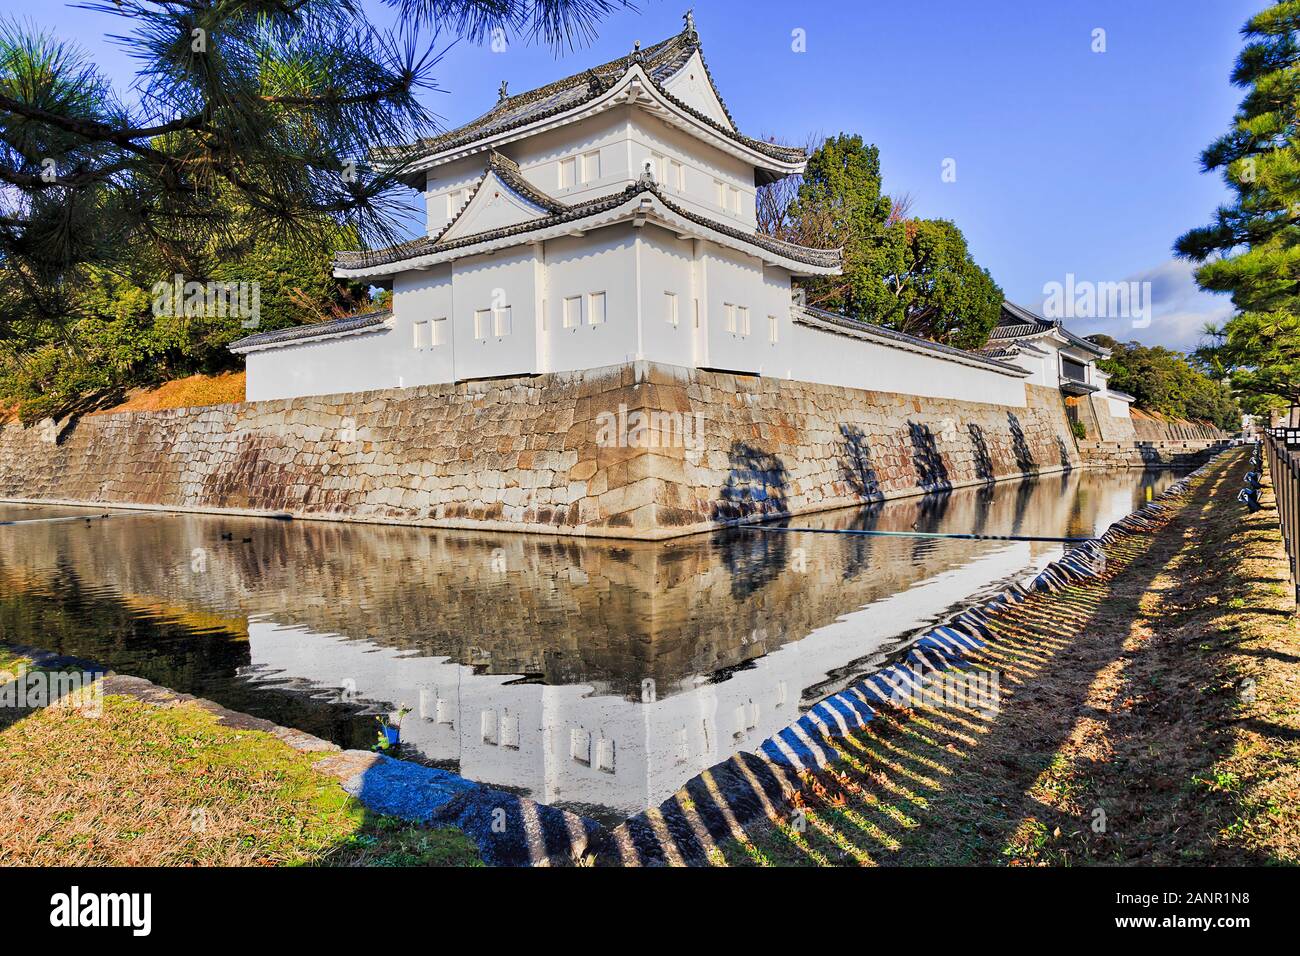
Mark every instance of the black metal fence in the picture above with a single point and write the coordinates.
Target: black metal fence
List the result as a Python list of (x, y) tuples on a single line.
[(1282, 452)]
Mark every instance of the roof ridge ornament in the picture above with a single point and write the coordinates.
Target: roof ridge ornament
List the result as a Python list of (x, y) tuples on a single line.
[(637, 56), (689, 17), (503, 92)]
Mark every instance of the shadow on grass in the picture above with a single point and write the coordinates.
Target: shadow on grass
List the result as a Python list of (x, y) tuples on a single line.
[(944, 785)]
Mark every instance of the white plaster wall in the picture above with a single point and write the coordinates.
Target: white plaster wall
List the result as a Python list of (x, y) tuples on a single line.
[(423, 296), (633, 267), (814, 355), (732, 277), (691, 85), (602, 261), (1119, 408), (539, 156), (703, 165), (450, 178), (508, 278), (624, 138), (666, 264), (384, 357)]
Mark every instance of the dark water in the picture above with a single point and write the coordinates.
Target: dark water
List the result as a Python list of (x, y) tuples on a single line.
[(598, 675)]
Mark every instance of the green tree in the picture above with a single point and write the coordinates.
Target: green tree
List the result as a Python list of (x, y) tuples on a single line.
[(1170, 383), (244, 153), (1252, 249), (914, 275)]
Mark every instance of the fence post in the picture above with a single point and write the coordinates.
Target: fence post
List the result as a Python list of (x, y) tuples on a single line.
[(1284, 473)]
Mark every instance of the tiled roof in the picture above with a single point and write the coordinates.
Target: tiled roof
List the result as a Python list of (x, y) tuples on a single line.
[(1015, 322), (660, 62), (508, 172), (902, 338), (995, 352), (1002, 332), (352, 323), (821, 258)]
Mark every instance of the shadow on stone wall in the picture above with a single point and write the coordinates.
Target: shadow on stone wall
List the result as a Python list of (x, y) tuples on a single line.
[(931, 469), (1064, 451), (1025, 460), (757, 484), (983, 460), (856, 465)]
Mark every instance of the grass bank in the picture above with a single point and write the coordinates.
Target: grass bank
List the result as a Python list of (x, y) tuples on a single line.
[(142, 784), (189, 392), (1149, 717)]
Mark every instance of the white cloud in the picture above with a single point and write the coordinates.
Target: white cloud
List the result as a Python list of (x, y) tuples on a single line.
[(1179, 309)]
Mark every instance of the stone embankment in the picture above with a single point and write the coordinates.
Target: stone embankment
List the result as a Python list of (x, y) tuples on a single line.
[(637, 450)]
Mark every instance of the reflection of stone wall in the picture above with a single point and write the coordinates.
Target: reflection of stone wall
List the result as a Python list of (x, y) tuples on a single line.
[(603, 613), (529, 453)]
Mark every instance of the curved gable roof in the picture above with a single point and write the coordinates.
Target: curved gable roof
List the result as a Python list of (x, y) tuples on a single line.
[(660, 62), (620, 204), (1017, 322)]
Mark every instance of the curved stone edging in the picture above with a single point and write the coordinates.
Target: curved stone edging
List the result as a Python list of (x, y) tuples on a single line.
[(507, 829), (736, 790)]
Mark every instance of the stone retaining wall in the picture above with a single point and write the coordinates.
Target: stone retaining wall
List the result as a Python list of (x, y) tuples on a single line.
[(1148, 454), (637, 450)]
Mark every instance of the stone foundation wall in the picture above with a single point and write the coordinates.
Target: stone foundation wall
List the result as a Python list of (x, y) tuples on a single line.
[(1150, 429), (1147, 454), (637, 450)]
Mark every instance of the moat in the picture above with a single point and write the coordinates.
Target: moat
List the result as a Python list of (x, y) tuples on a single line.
[(596, 675)]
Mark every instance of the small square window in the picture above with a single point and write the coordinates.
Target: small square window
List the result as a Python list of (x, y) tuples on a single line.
[(596, 308), (734, 194), (456, 200), (420, 336), (439, 331), (572, 311), (568, 172), (605, 755), (729, 311), (773, 328), (719, 194), (677, 175), (501, 320), (591, 166), (742, 319), (488, 726), (670, 308), (580, 745), (510, 731), (482, 323)]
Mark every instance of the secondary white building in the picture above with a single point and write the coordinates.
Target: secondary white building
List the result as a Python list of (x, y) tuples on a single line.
[(1055, 357), (604, 218)]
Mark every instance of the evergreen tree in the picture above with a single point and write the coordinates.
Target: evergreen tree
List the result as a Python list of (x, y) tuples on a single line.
[(245, 153), (914, 275), (1166, 381), (1252, 249)]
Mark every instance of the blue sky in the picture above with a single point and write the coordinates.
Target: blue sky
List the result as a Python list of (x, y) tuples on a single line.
[(1067, 161)]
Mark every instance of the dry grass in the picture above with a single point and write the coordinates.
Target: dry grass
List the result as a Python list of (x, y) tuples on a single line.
[(1152, 717), (149, 785), (196, 390)]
